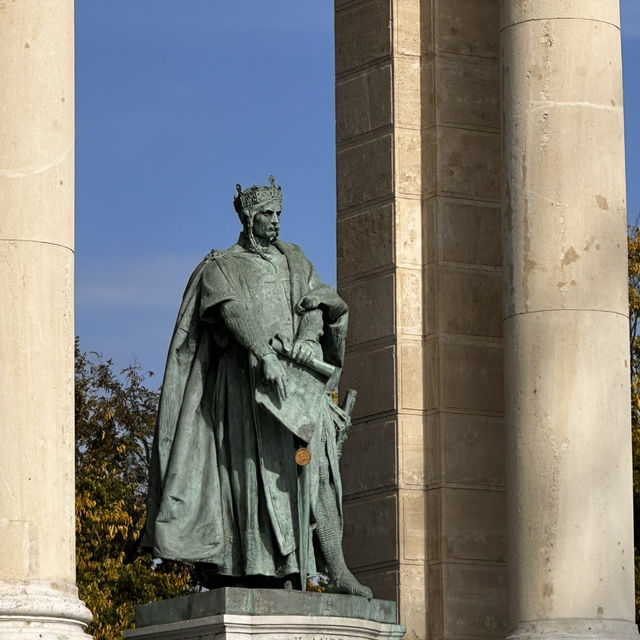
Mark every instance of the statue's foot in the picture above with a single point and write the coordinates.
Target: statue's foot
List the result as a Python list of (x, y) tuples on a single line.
[(346, 582)]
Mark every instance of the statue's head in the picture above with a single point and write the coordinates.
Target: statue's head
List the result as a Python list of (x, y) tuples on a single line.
[(259, 210), (257, 199)]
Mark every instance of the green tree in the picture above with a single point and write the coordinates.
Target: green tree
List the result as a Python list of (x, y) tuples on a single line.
[(633, 242), (115, 417)]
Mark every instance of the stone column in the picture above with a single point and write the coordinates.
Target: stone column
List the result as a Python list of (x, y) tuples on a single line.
[(419, 259), (565, 321), (38, 597)]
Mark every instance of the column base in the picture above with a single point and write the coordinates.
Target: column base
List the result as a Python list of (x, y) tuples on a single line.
[(41, 611), (266, 614), (575, 629)]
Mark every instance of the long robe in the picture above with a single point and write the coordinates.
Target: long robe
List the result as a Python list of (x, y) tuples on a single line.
[(224, 486)]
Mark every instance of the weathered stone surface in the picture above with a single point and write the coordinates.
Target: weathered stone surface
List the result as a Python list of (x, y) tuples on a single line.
[(363, 102), (468, 91), (365, 241), (413, 524), (372, 372), (473, 448), (475, 606), (468, 27), (430, 309), (473, 524), (37, 116), (411, 455), (262, 602), (430, 162), (432, 385), (37, 191), (435, 619), (410, 302), (414, 615), (468, 601), (471, 302), (362, 35), (435, 541), (41, 610), (408, 88), (473, 378), (428, 108), (445, 151), (411, 22), (269, 627), (469, 233), (433, 463), (408, 231), (588, 10), (583, 199), (408, 162), (566, 250), (374, 519), (411, 374), (371, 452), (364, 172), (469, 163), (368, 320), (539, 49), (566, 370), (383, 581), (36, 334), (566, 448), (38, 597)]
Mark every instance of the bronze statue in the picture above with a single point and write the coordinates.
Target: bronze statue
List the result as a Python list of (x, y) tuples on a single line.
[(245, 476)]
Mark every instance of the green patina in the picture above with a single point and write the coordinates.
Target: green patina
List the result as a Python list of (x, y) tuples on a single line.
[(255, 356), (259, 602)]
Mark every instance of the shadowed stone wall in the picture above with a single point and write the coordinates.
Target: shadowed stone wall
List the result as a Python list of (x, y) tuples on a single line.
[(419, 255)]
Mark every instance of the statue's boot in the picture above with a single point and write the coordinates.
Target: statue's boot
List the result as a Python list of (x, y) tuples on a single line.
[(329, 535)]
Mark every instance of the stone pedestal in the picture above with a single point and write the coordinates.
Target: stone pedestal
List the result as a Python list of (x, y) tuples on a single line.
[(266, 614), (38, 597)]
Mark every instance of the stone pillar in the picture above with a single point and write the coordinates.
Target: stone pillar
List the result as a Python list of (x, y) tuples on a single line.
[(38, 597), (565, 322), (418, 175)]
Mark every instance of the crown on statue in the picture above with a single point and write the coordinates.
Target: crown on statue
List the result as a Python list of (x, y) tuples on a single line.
[(256, 198)]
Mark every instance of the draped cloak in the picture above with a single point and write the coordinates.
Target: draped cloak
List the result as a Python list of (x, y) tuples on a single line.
[(223, 484)]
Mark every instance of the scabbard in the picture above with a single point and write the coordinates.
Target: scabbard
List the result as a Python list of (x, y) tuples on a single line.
[(304, 527)]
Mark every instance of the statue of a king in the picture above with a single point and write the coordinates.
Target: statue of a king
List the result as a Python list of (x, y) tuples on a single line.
[(245, 478)]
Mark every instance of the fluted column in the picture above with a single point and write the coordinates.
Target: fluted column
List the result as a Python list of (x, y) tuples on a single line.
[(565, 321), (38, 597)]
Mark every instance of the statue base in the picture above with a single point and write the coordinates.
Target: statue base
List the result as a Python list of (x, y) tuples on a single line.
[(266, 614)]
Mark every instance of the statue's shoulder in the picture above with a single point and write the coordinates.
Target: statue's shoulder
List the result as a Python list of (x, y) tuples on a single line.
[(221, 255), (215, 254)]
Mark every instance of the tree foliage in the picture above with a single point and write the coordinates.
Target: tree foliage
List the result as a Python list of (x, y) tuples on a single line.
[(115, 417), (633, 242)]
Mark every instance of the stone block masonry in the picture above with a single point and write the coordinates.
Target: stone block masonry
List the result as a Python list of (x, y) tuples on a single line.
[(419, 263)]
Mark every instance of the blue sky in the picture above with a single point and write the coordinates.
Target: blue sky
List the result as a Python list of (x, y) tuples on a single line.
[(173, 107)]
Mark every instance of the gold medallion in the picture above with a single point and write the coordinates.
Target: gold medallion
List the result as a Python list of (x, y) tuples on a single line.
[(303, 456)]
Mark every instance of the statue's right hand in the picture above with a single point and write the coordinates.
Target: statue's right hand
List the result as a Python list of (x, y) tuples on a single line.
[(274, 374)]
